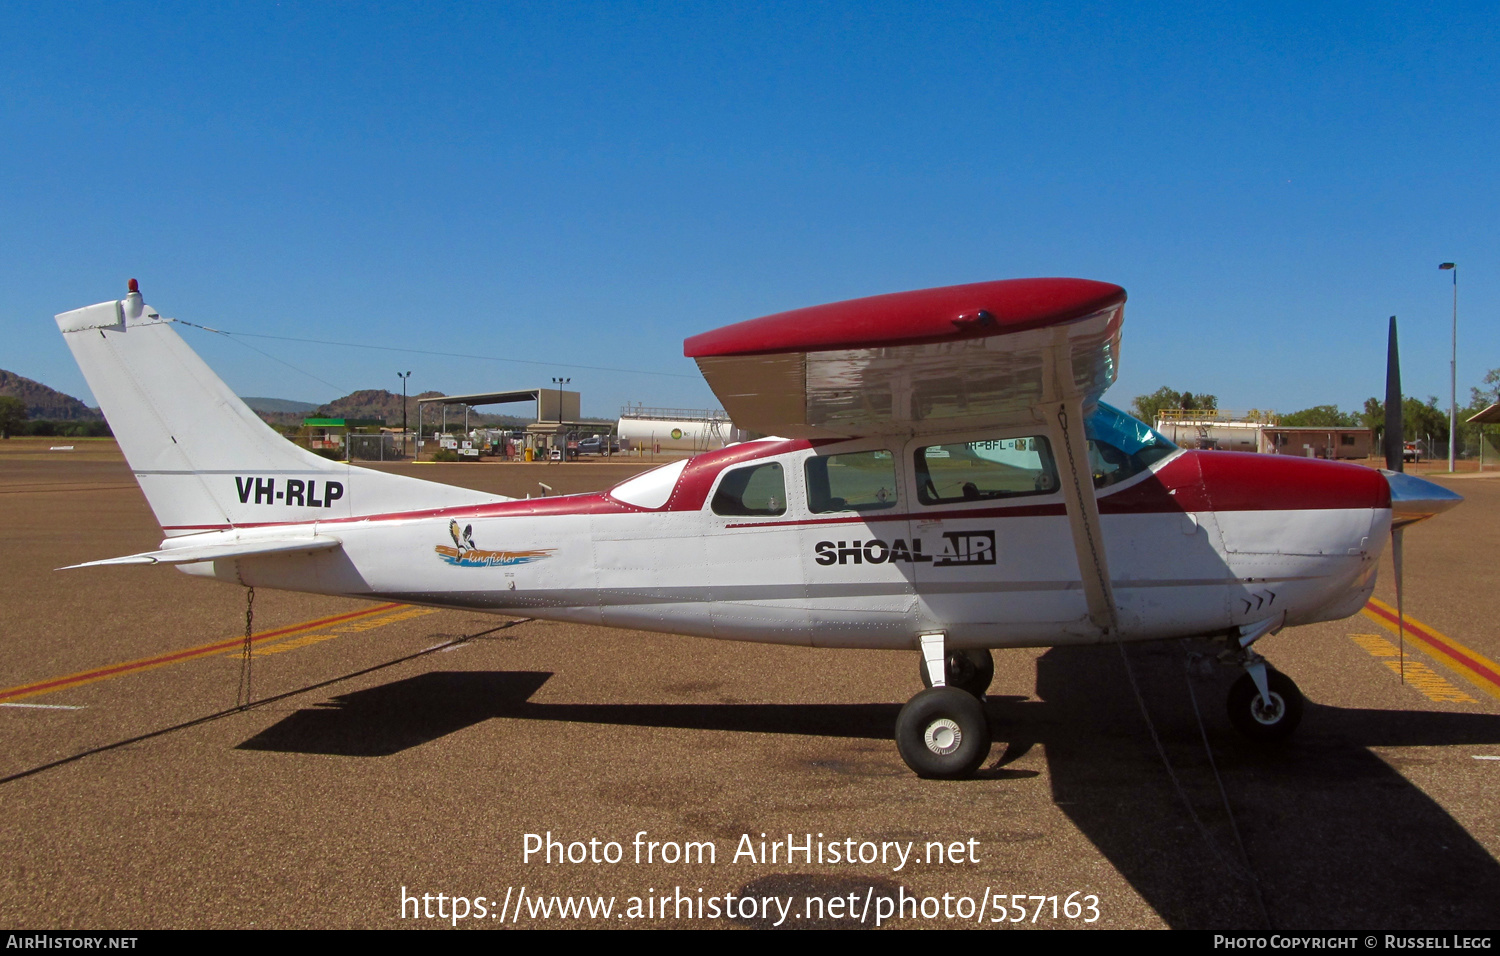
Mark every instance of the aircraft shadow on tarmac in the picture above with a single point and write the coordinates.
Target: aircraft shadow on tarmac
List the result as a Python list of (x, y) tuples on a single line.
[(1335, 838)]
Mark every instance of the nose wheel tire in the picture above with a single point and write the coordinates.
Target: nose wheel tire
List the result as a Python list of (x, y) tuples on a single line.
[(943, 734), (971, 670), (1262, 721)]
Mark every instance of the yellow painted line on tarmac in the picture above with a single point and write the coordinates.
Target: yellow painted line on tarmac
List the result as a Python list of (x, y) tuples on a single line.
[(1432, 684), (1469, 664), (292, 643), (234, 644)]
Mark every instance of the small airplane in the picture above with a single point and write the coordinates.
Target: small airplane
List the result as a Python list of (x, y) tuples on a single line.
[(945, 480)]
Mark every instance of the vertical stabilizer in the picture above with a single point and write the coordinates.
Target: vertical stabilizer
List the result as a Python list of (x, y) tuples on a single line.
[(205, 460)]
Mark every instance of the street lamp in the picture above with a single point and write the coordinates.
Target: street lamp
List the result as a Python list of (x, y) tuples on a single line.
[(403, 376), (1453, 370), (560, 382)]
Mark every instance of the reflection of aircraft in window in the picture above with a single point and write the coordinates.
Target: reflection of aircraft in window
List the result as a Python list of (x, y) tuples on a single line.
[(947, 482)]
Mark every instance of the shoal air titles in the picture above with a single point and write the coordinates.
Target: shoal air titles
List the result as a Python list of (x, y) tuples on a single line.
[(957, 548)]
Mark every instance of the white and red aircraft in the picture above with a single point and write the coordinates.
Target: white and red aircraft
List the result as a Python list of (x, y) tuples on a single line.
[(947, 482)]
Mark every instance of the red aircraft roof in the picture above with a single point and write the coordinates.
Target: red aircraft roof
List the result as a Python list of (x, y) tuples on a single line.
[(951, 313)]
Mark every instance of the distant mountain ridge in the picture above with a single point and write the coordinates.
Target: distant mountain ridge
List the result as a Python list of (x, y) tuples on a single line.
[(371, 403), (48, 403), (45, 403), (277, 405)]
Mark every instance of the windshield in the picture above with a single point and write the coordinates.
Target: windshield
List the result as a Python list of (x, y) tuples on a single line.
[(1121, 446), (1113, 427)]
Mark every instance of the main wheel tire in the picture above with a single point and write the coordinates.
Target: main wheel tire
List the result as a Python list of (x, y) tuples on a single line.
[(970, 669), (943, 734), (1253, 718)]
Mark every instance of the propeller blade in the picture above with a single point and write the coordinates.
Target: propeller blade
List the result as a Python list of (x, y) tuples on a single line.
[(1394, 436)]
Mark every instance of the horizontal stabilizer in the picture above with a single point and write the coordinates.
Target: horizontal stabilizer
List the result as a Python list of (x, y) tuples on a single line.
[(216, 552)]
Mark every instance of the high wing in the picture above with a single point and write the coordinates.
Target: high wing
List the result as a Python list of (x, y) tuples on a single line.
[(988, 353)]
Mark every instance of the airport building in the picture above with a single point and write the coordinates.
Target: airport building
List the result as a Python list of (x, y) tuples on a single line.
[(1257, 431), (1317, 442)]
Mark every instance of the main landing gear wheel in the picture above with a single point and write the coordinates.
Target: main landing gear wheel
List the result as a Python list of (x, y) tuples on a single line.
[(969, 670), (943, 734), (1258, 720)]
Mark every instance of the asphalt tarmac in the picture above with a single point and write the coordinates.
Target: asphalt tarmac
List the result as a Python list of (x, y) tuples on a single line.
[(406, 754)]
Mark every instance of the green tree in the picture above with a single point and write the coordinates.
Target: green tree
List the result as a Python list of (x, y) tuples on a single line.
[(1148, 407), (1321, 416), (1199, 402), (12, 415), (1479, 399), (1420, 421), (1492, 379)]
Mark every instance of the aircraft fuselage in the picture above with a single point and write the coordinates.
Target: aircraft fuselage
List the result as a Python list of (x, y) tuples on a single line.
[(1197, 543)]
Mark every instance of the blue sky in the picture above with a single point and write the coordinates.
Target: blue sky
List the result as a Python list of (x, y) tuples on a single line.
[(585, 185)]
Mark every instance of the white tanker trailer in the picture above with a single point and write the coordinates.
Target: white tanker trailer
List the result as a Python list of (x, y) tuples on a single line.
[(673, 429), (1212, 433)]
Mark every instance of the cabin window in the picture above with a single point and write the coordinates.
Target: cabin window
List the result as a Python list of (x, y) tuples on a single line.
[(858, 481), (985, 470), (757, 490)]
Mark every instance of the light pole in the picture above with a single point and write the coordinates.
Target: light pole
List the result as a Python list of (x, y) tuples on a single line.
[(1453, 370), (560, 382), (403, 376)]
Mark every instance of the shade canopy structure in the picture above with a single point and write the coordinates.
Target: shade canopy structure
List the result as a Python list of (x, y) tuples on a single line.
[(1489, 416)]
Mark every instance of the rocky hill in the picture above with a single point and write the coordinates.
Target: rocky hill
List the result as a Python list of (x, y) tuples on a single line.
[(46, 403), (277, 404), (379, 403)]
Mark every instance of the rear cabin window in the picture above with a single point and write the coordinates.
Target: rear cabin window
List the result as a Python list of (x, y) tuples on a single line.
[(757, 490), (985, 470), (858, 481)]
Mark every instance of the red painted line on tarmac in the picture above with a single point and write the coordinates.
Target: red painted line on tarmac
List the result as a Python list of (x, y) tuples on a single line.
[(173, 657), (1478, 667)]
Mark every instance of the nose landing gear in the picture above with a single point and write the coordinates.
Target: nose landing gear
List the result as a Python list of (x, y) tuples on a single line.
[(1264, 704), (1265, 716)]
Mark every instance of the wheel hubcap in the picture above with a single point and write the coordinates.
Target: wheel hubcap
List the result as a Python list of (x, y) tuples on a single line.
[(1269, 714), (942, 736)]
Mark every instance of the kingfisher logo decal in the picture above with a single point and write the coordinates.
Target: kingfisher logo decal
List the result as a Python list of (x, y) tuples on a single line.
[(465, 555), (958, 548)]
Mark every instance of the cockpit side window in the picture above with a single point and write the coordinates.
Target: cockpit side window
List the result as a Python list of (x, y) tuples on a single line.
[(756, 490)]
